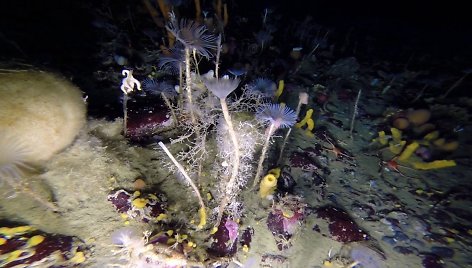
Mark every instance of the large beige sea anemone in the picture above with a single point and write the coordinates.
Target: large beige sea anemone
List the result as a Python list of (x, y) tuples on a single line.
[(40, 115)]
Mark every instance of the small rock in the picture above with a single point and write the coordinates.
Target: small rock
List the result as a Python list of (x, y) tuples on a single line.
[(400, 236), (406, 250), (443, 252), (389, 240), (432, 261), (416, 243)]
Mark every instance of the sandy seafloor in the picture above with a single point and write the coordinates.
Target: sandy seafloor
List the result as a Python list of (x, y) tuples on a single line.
[(101, 160)]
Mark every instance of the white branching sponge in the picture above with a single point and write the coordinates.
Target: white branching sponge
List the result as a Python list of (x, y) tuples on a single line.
[(249, 137)]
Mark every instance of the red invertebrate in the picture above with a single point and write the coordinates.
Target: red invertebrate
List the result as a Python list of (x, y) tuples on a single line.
[(392, 165), (339, 152)]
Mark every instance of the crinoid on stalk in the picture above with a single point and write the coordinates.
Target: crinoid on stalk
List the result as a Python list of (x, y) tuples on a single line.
[(166, 90), (263, 38), (193, 36), (172, 62), (154, 87), (195, 39), (302, 99), (278, 116), (263, 86), (222, 88)]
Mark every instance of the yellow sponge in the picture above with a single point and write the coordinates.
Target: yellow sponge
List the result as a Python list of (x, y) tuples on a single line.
[(435, 164), (202, 215), (396, 134), (409, 150), (267, 186), (382, 139), (396, 148), (280, 89)]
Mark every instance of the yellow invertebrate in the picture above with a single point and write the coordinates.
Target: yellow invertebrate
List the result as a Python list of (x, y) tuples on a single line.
[(280, 89), (308, 121), (396, 134), (35, 240), (161, 217), (434, 165), (409, 150), (267, 185), (139, 202), (382, 139)]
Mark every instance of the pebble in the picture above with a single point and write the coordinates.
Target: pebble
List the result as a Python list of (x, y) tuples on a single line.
[(443, 252), (420, 226), (432, 261), (389, 240), (398, 215), (416, 243), (400, 236), (406, 250), (362, 211)]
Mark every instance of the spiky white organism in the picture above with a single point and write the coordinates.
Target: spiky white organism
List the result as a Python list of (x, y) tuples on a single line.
[(137, 253), (128, 84)]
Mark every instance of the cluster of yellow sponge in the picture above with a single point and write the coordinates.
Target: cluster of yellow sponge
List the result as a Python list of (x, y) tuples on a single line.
[(398, 146)]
